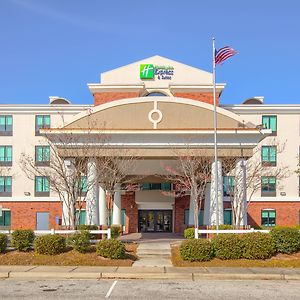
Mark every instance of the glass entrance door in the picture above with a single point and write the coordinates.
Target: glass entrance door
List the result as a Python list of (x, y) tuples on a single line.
[(155, 220)]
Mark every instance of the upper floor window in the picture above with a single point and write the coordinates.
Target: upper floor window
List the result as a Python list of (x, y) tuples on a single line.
[(5, 155), (268, 155), (5, 186), (83, 186), (6, 125), (228, 186), (42, 155), (270, 122), (268, 217), (165, 186), (268, 186), (41, 121), (42, 187), (156, 94)]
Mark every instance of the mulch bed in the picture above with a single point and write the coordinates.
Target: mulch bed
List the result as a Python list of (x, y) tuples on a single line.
[(279, 260), (68, 258)]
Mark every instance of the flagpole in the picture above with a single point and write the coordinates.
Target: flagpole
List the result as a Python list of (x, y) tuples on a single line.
[(215, 137)]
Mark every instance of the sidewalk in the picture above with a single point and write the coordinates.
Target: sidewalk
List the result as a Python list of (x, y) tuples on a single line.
[(197, 273)]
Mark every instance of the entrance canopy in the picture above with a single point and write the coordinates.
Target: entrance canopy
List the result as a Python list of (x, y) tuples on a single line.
[(155, 126)]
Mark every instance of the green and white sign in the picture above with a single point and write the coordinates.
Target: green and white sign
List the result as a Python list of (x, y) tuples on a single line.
[(146, 71), (149, 71)]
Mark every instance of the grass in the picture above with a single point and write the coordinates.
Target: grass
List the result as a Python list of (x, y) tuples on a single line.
[(279, 261), (68, 258)]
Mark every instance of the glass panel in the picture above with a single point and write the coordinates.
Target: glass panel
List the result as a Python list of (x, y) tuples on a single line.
[(47, 121), (9, 120), (39, 121), (186, 216), (45, 184), (46, 153), (201, 218), (155, 186), (7, 218), (2, 183), (227, 217), (265, 153), (38, 184), (273, 123), (166, 186), (38, 153), (265, 214), (83, 184), (265, 122), (123, 217), (272, 214), (2, 120), (273, 154), (146, 186), (8, 153), (8, 182), (2, 153), (82, 217)]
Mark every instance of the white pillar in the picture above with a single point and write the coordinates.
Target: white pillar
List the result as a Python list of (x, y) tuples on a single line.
[(240, 193), (191, 210), (68, 207), (213, 198), (92, 203), (206, 216), (102, 207), (116, 220)]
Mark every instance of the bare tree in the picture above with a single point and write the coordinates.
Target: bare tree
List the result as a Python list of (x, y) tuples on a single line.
[(255, 169), (191, 174)]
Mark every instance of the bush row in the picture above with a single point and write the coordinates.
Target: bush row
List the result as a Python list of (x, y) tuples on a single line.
[(250, 245), (23, 240)]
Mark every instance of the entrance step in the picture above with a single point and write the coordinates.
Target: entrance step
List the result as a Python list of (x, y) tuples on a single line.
[(153, 254)]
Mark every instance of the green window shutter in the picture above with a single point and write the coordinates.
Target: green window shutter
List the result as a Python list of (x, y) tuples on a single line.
[(273, 123), (123, 217)]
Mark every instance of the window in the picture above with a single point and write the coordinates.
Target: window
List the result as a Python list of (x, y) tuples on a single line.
[(268, 156), (270, 122), (6, 125), (5, 155), (200, 217), (83, 186), (42, 186), (227, 216), (156, 94), (268, 217), (41, 121), (80, 218), (165, 186), (228, 186), (42, 155), (5, 186), (5, 218), (268, 186), (123, 217)]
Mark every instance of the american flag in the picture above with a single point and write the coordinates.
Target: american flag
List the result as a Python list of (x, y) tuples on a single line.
[(223, 54)]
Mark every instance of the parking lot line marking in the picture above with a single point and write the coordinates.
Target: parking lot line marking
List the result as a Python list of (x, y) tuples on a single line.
[(111, 289)]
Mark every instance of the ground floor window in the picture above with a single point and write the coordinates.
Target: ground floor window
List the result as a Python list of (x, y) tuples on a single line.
[(80, 217), (5, 218), (227, 216), (268, 217), (200, 217), (123, 217)]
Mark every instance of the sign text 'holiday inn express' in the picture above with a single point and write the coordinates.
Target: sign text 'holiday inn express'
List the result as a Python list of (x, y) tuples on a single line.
[(150, 71)]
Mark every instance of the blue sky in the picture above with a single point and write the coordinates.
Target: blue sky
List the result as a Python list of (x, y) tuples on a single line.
[(56, 47)]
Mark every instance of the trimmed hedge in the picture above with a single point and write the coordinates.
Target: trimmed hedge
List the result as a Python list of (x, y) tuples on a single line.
[(22, 239), (80, 241), (50, 244), (257, 245), (286, 240), (87, 227), (196, 250), (3, 242), (227, 246), (115, 231), (189, 233), (113, 249)]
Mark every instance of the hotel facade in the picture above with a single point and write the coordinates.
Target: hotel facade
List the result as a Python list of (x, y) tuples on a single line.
[(148, 110)]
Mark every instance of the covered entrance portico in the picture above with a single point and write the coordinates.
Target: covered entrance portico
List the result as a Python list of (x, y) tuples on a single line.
[(149, 131)]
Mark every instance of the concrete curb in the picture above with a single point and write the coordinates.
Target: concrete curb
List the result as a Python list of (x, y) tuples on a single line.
[(154, 276)]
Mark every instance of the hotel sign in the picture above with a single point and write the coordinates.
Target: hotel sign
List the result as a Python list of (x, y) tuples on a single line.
[(150, 71)]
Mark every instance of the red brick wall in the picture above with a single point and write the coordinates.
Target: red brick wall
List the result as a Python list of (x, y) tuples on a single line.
[(181, 204), (100, 98), (287, 213), (128, 203), (23, 214), (203, 97)]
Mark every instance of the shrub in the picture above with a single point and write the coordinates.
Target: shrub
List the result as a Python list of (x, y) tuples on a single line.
[(3, 242), (50, 244), (80, 241), (115, 231), (22, 239), (196, 250), (189, 233), (257, 245), (86, 227), (223, 227), (111, 249), (227, 246), (286, 240)]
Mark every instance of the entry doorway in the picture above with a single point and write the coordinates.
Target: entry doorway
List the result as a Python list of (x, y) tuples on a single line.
[(42, 221), (155, 220)]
